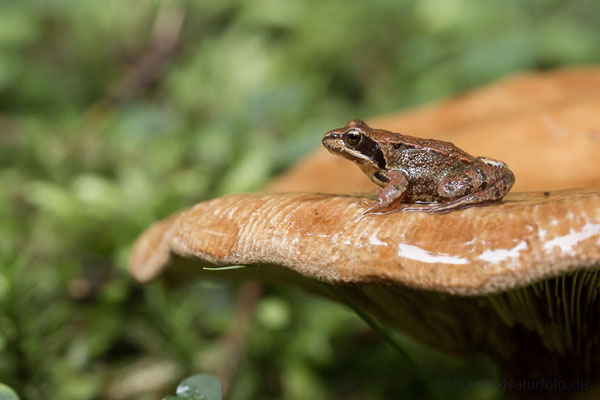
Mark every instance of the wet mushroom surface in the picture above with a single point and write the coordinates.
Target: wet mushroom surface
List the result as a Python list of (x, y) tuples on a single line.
[(480, 250), (517, 279)]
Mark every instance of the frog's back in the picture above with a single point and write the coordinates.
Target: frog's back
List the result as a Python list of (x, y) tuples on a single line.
[(443, 150), (426, 156), (426, 162)]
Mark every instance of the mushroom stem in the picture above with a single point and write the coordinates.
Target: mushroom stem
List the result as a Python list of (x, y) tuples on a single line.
[(235, 342), (543, 335)]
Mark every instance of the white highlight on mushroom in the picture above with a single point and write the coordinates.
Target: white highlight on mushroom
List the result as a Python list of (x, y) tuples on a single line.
[(418, 254), (568, 241), (499, 255), (374, 240)]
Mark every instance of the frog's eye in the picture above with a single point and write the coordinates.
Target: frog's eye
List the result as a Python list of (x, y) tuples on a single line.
[(352, 137)]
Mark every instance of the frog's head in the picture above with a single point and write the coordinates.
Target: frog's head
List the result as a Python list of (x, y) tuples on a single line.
[(356, 142)]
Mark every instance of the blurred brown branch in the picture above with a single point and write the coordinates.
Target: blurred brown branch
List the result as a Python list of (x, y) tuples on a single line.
[(164, 41), (248, 297)]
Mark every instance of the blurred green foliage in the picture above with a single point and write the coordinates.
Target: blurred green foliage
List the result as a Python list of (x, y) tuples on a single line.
[(114, 114), (7, 393), (198, 387)]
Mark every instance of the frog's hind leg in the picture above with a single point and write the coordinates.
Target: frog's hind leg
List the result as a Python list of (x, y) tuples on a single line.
[(495, 191), (470, 199)]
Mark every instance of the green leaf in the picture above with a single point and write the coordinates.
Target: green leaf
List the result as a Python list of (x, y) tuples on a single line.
[(7, 393), (224, 268), (200, 387)]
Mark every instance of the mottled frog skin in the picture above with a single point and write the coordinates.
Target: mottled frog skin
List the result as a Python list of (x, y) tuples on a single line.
[(416, 170)]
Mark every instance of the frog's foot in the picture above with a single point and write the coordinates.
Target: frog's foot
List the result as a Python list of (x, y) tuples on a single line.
[(420, 207), (378, 209), (366, 202), (374, 208), (459, 204)]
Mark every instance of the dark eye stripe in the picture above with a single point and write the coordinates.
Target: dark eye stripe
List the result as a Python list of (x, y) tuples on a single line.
[(369, 147)]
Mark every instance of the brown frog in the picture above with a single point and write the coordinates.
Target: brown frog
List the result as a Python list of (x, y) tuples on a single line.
[(416, 170)]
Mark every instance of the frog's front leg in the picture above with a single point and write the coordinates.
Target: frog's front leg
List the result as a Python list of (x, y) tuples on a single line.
[(392, 193)]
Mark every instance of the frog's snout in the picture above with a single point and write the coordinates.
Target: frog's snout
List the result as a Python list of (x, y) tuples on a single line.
[(330, 138)]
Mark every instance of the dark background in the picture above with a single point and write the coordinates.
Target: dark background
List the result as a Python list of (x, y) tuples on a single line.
[(116, 113)]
